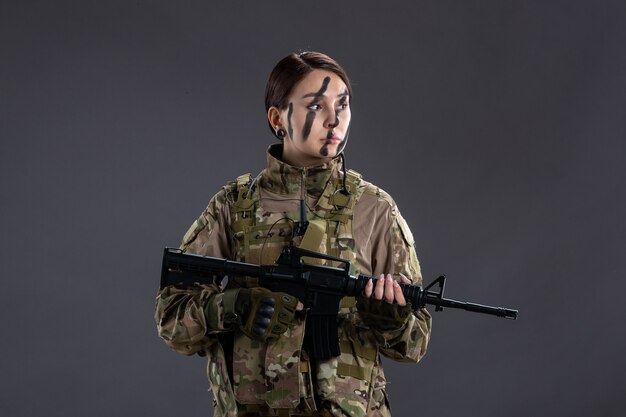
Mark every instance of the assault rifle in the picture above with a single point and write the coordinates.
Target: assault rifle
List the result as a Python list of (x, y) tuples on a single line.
[(320, 288)]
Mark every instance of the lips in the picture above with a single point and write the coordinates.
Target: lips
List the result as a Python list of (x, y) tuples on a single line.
[(334, 139)]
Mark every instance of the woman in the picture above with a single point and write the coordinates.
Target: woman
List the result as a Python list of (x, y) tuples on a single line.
[(259, 360)]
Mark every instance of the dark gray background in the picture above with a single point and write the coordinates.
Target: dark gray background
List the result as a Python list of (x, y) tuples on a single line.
[(498, 126)]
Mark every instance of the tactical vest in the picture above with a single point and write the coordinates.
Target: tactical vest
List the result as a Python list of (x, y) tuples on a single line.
[(259, 237)]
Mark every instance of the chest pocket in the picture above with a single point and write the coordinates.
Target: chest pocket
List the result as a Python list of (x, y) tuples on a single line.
[(261, 244)]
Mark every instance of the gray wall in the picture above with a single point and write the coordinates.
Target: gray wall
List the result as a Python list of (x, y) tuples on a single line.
[(498, 126)]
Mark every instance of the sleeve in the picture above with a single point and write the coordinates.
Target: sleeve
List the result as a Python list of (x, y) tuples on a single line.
[(393, 252), (186, 318)]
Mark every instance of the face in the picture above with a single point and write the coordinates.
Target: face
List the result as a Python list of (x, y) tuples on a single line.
[(316, 119)]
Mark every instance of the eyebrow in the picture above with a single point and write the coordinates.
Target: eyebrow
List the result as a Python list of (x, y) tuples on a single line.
[(316, 94)]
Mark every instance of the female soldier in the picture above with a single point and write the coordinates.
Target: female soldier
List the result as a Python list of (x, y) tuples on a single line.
[(259, 361)]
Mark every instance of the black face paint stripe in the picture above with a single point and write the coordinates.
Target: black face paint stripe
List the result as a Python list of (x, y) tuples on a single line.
[(310, 116), (337, 111), (336, 120), (322, 89), (344, 142), (342, 101), (289, 128), (324, 150)]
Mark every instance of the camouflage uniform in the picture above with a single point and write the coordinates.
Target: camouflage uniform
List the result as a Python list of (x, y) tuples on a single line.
[(250, 220)]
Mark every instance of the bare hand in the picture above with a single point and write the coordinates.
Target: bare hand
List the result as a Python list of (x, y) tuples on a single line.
[(387, 288)]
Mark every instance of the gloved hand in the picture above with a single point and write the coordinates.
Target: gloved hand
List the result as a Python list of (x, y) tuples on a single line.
[(263, 314)]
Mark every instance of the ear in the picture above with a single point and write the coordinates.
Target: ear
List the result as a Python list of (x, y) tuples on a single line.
[(273, 116)]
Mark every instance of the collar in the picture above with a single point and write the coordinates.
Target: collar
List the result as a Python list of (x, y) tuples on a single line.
[(282, 178)]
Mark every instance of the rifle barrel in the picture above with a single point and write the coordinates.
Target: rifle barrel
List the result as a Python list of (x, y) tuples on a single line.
[(476, 308)]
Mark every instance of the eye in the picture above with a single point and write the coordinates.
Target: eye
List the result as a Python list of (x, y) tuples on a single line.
[(314, 107), (343, 106)]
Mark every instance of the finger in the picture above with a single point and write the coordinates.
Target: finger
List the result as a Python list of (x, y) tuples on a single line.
[(380, 288), (405, 280), (397, 291), (265, 311), (262, 322), (268, 301), (369, 287), (260, 331), (389, 295)]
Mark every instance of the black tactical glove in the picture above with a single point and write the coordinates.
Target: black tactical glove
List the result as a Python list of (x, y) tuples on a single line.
[(381, 315), (263, 314)]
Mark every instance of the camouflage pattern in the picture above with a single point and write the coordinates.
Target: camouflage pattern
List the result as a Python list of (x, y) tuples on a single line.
[(251, 220), (217, 372)]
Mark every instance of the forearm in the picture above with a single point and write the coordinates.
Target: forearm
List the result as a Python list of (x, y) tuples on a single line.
[(186, 318), (409, 342)]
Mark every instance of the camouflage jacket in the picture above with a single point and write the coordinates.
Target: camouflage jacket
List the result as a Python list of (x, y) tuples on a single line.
[(278, 378)]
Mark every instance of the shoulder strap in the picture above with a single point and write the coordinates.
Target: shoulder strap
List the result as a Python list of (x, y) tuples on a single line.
[(244, 202)]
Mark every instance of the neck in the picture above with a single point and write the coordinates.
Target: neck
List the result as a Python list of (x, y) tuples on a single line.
[(298, 159)]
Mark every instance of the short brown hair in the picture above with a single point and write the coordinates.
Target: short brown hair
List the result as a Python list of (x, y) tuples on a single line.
[(293, 68)]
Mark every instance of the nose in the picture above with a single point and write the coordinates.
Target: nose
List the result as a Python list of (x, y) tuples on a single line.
[(332, 119)]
